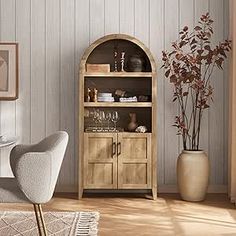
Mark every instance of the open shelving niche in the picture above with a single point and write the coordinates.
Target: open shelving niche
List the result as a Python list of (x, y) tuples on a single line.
[(140, 83)]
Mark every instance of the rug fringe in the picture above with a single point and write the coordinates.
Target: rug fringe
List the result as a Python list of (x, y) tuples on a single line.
[(87, 224)]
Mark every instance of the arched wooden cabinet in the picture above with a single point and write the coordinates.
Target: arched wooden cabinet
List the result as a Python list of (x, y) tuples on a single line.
[(112, 158)]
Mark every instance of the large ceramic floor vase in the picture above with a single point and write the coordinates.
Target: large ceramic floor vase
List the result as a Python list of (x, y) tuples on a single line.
[(193, 175)]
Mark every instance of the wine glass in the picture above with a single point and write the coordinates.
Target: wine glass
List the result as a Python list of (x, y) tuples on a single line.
[(108, 118), (95, 118), (101, 117), (115, 117)]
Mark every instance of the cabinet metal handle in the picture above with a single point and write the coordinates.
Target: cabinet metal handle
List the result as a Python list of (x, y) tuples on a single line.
[(113, 149), (118, 148)]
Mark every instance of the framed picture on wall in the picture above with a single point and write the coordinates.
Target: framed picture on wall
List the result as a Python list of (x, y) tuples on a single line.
[(8, 71)]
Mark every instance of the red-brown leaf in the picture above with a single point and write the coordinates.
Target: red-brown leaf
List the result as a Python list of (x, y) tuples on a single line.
[(167, 73), (197, 28)]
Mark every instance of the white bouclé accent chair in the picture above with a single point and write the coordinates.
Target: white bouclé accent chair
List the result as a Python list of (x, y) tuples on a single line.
[(36, 169)]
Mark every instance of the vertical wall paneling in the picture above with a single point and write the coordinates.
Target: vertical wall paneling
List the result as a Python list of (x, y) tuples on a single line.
[(156, 47), (112, 10), (202, 7), (186, 17), (226, 94), (67, 84), (81, 43), (38, 123), (97, 21), (52, 37), (141, 25), (216, 116), (23, 37), (171, 141), (8, 108), (127, 16), (52, 66)]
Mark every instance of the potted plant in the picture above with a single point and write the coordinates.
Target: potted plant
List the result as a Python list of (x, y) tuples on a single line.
[(189, 66)]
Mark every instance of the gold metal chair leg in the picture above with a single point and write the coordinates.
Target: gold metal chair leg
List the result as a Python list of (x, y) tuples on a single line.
[(42, 220), (37, 219)]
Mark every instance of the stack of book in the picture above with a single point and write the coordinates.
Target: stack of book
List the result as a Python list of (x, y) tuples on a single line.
[(105, 97), (129, 99)]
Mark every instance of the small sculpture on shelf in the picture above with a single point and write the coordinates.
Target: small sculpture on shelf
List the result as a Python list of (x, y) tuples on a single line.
[(141, 129), (124, 96), (136, 63), (94, 95), (115, 59), (133, 122), (87, 95), (144, 98), (122, 62)]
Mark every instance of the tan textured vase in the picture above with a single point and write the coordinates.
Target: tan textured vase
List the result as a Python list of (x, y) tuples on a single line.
[(192, 175)]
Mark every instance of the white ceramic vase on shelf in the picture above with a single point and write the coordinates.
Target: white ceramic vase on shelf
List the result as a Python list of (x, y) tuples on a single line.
[(192, 175)]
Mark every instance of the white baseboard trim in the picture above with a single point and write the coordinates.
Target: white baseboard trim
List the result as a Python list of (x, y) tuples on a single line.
[(161, 189), (211, 189)]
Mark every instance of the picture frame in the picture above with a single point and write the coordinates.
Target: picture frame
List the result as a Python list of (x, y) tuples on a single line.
[(8, 71)]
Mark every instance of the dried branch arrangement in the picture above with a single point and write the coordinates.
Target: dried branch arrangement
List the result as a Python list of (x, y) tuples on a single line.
[(189, 66)]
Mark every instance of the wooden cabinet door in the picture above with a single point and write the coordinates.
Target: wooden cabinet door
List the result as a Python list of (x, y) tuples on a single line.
[(134, 161), (100, 161)]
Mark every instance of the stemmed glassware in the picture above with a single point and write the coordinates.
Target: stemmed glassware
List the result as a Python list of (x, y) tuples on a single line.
[(115, 117), (108, 118), (95, 116), (101, 118)]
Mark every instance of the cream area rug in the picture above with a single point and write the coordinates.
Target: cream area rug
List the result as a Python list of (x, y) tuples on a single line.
[(14, 223)]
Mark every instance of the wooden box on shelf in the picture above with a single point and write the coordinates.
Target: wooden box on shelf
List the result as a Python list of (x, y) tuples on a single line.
[(101, 68), (118, 160)]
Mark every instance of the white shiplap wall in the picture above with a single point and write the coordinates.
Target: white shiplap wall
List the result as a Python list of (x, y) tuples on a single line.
[(52, 36)]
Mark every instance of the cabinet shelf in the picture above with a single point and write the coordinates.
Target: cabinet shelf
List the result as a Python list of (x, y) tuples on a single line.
[(117, 104), (109, 159), (120, 74)]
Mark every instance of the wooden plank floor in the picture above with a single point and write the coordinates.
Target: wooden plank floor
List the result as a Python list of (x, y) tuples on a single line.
[(137, 216)]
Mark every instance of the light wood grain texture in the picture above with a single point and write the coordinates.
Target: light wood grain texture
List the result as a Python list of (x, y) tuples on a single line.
[(137, 163), (120, 74), (134, 161), (100, 161), (118, 104), (129, 216)]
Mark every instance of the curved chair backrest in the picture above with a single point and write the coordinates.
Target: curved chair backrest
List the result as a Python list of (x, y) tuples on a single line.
[(37, 167)]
